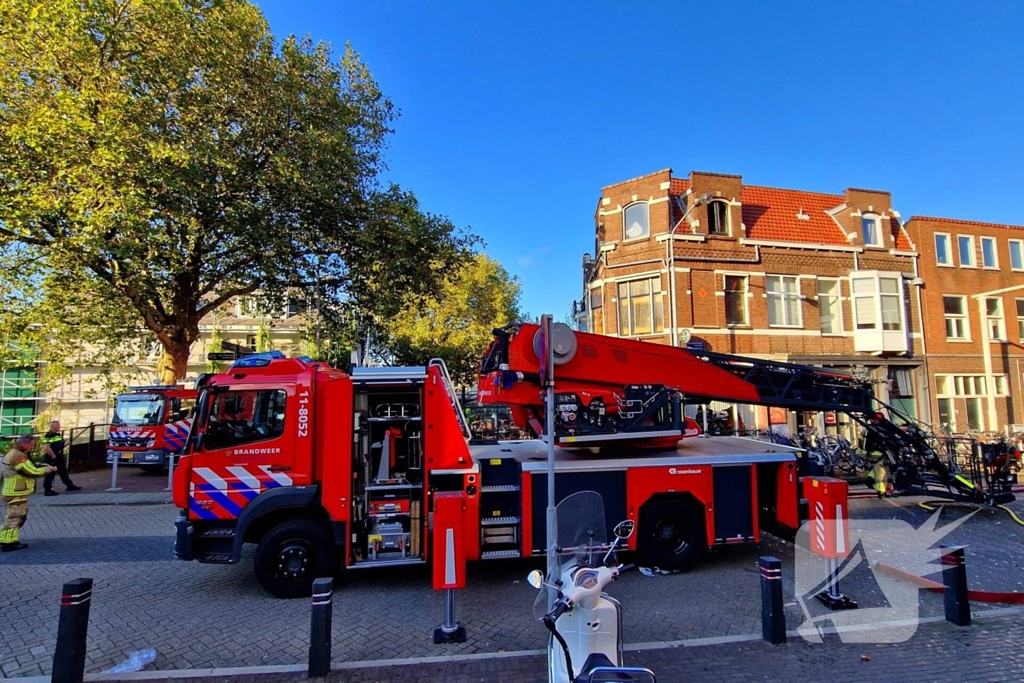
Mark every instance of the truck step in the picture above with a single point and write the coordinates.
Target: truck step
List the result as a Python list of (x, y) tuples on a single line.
[(217, 533), (499, 554), (497, 521), (215, 558), (499, 488)]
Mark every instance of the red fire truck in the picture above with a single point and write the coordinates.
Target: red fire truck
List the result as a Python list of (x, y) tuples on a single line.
[(149, 424), (327, 471)]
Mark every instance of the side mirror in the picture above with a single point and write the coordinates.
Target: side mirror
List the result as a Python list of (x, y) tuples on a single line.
[(625, 529), (535, 578)]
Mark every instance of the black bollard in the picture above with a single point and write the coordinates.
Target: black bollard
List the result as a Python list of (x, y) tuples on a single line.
[(69, 656), (773, 618), (954, 577), (320, 628)]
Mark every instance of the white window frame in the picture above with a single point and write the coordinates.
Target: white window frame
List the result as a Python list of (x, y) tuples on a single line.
[(877, 220), (969, 385), (728, 218), (1020, 253), (838, 302), (876, 296), (996, 321), (625, 211), (1018, 303), (995, 253), (654, 280), (599, 290), (743, 294), (948, 263), (973, 262), (965, 317), (783, 297)]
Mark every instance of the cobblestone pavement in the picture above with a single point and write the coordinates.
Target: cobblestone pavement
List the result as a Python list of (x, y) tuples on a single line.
[(986, 651), (203, 616)]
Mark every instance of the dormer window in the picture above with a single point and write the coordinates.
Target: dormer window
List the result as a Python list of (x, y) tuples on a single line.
[(871, 230), (636, 220), (718, 218)]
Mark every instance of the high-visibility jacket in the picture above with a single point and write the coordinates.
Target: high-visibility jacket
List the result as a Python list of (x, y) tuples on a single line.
[(20, 474)]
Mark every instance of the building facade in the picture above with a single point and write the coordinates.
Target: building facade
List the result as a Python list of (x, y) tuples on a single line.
[(804, 277), (973, 304)]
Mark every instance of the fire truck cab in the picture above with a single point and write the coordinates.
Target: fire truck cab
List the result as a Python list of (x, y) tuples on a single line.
[(149, 424)]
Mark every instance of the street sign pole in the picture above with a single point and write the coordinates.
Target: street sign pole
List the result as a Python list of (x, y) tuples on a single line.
[(547, 362)]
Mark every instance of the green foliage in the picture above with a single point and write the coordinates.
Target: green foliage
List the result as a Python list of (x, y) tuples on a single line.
[(159, 158), (456, 323), (264, 342)]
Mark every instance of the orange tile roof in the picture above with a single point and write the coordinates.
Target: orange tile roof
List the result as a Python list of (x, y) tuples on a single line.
[(900, 235), (679, 186), (771, 214)]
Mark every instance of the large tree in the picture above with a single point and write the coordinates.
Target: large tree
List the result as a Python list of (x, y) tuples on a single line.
[(455, 324), (161, 157)]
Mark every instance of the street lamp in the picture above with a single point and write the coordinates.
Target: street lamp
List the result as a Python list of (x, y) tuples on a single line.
[(699, 201)]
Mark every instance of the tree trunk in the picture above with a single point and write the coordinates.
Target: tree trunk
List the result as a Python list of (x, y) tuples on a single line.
[(174, 363)]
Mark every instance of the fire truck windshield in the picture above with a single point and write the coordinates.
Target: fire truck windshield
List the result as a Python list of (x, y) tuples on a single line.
[(138, 409)]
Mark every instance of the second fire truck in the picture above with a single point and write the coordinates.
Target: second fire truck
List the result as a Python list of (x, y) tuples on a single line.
[(150, 424), (326, 471)]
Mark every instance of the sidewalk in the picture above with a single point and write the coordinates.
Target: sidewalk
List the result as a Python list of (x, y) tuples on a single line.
[(987, 651), (137, 488)]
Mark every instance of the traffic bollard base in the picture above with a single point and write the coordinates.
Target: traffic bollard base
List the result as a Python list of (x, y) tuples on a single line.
[(836, 602), (443, 636)]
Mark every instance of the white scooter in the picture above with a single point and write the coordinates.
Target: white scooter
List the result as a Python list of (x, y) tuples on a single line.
[(584, 622)]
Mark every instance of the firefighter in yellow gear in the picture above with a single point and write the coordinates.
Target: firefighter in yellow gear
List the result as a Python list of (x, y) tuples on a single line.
[(20, 475)]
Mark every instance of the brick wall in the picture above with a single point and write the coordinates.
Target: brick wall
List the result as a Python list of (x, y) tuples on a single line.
[(966, 357)]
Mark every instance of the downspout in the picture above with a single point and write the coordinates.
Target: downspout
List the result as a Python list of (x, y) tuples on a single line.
[(927, 417)]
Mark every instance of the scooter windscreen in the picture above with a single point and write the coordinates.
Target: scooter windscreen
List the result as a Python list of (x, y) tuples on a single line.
[(581, 538)]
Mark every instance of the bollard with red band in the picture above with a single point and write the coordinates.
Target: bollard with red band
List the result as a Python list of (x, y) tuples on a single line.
[(773, 613), (449, 555), (830, 533), (69, 655), (954, 576)]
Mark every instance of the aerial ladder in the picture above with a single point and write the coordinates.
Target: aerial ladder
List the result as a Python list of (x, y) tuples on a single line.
[(626, 394)]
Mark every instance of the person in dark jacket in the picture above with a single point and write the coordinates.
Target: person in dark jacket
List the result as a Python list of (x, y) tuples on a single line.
[(53, 454)]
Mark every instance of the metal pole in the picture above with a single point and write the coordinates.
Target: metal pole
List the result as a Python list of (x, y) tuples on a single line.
[(113, 473), (549, 428), (671, 260), (170, 472)]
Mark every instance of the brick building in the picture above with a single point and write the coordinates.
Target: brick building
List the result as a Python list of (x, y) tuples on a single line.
[(973, 301), (805, 277)]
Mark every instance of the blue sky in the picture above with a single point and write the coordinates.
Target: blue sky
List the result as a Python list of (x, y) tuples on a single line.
[(515, 114)]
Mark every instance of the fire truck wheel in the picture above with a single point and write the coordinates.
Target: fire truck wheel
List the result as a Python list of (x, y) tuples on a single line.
[(671, 535), (291, 556)]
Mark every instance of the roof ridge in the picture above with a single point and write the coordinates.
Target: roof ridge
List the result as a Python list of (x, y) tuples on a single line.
[(640, 177), (788, 189), (963, 221)]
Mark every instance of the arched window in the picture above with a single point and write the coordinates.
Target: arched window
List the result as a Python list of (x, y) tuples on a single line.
[(871, 227), (718, 218), (636, 221)]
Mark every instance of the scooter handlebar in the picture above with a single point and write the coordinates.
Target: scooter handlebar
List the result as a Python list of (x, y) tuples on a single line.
[(626, 568), (560, 608)]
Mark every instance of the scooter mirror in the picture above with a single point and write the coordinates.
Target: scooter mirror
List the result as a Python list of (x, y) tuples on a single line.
[(625, 529), (536, 578)]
